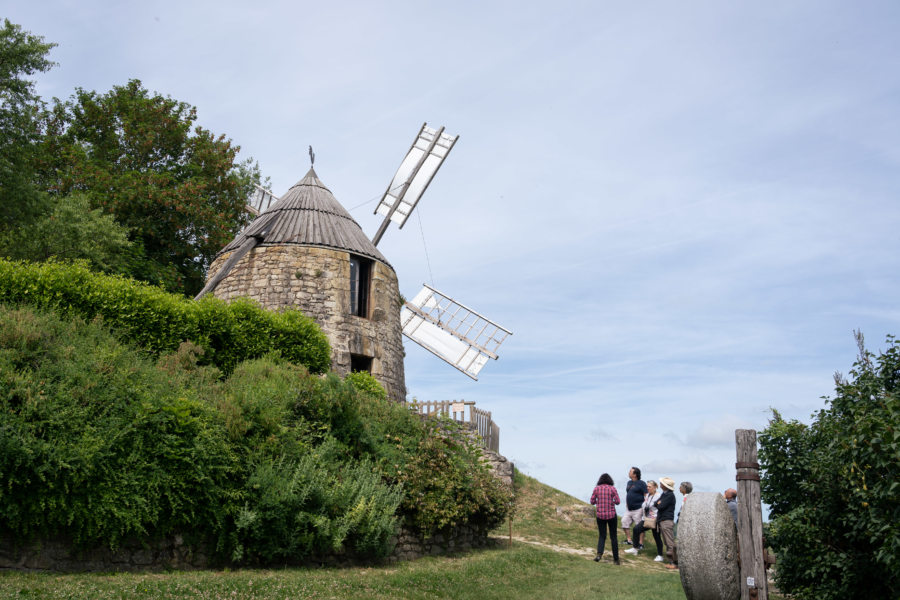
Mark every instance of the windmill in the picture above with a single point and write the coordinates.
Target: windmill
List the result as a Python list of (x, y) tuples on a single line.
[(304, 250), (448, 329)]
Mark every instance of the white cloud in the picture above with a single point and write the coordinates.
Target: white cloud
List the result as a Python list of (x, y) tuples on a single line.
[(717, 432), (696, 463), (601, 435)]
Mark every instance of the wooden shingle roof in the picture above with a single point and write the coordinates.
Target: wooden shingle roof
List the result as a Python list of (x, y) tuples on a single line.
[(309, 215)]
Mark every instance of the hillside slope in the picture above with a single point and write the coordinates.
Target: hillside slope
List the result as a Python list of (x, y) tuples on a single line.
[(553, 519)]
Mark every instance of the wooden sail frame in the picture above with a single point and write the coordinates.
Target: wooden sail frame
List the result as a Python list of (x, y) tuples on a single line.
[(452, 331), (260, 200), (418, 168)]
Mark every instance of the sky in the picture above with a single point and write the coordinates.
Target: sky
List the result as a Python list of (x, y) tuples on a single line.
[(682, 211)]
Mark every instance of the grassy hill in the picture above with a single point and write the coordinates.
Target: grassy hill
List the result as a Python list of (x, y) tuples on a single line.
[(550, 557)]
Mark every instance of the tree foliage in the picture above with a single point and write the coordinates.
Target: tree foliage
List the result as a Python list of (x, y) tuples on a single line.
[(177, 187), (21, 55), (70, 230), (833, 486)]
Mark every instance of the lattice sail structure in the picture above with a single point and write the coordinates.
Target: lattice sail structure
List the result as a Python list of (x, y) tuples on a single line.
[(451, 331), (260, 199), (425, 157)]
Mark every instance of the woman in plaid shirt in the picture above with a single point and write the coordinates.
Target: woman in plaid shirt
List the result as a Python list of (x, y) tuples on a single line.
[(606, 497)]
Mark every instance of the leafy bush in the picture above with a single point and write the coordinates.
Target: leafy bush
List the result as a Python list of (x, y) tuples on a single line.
[(364, 382), (833, 486), (443, 478), (315, 506), (95, 442), (159, 322), (446, 484)]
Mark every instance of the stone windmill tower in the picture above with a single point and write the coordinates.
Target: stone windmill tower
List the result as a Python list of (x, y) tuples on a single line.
[(307, 251)]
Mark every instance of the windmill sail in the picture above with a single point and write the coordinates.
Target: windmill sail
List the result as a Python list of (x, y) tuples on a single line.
[(425, 157), (451, 331), (261, 199)]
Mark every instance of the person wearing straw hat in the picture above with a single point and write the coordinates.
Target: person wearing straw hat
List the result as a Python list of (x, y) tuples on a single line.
[(665, 519)]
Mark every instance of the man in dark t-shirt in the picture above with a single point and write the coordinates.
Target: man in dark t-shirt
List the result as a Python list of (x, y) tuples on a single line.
[(635, 490)]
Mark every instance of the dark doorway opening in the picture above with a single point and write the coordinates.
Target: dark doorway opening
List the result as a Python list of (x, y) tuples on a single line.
[(360, 363)]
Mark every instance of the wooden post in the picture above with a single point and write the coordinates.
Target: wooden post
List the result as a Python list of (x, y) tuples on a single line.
[(750, 534)]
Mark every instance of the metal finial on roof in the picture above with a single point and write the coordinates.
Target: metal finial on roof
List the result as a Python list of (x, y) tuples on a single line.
[(312, 157)]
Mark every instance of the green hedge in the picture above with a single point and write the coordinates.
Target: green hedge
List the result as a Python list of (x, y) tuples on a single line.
[(98, 445), (158, 321)]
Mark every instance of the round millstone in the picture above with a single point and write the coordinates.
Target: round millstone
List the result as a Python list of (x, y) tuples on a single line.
[(708, 549)]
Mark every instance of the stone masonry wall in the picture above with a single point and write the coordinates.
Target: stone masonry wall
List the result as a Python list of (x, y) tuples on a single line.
[(172, 554), (58, 555), (410, 546), (317, 280)]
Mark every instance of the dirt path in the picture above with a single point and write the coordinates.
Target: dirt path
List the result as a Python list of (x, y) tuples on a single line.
[(627, 560), (588, 552)]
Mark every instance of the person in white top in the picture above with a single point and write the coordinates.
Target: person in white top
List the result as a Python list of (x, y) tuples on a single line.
[(648, 511)]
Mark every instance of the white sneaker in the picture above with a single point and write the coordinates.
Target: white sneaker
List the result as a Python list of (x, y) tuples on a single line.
[(658, 558), (631, 551)]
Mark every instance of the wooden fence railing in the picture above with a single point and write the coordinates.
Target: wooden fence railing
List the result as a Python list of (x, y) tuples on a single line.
[(488, 431)]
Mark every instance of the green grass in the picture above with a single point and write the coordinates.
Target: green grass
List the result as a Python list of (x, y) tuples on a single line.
[(522, 572)]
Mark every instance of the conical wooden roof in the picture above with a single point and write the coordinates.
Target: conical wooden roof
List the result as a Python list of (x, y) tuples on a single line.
[(309, 215)]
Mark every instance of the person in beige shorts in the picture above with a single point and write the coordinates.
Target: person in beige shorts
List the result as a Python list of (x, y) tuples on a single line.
[(635, 492)]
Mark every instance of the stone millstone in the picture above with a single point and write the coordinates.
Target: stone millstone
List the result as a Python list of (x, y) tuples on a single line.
[(708, 549)]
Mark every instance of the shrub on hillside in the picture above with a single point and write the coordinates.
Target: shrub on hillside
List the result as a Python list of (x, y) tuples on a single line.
[(444, 481), (446, 484), (96, 444), (364, 382), (159, 322), (314, 506)]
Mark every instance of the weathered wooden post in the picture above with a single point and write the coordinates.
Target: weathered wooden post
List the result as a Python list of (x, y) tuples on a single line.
[(750, 533)]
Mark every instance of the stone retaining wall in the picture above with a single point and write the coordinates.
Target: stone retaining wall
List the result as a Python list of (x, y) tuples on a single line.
[(173, 554), (58, 555), (410, 546)]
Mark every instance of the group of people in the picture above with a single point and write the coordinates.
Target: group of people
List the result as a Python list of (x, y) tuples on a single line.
[(648, 507)]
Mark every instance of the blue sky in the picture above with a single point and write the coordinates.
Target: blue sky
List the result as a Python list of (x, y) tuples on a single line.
[(681, 210)]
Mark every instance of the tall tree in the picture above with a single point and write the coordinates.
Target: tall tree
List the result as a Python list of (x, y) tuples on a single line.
[(138, 156), (833, 486), (21, 55)]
